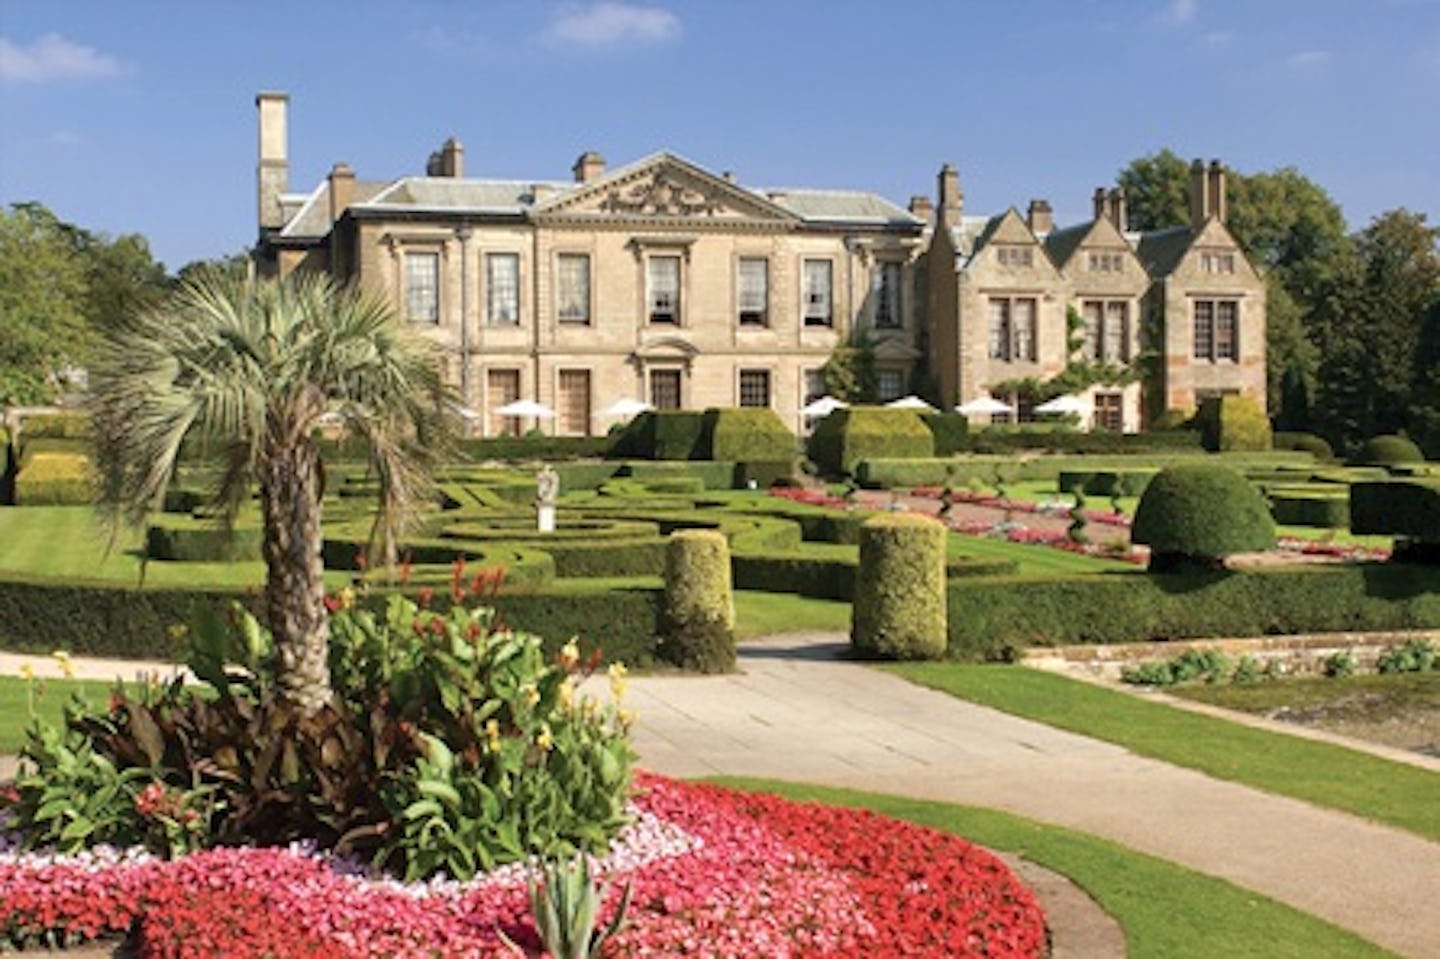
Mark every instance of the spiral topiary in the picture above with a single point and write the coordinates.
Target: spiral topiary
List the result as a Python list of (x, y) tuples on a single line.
[(1198, 515), (899, 610), (697, 631)]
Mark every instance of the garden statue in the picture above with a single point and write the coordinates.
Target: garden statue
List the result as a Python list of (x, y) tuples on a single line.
[(547, 490)]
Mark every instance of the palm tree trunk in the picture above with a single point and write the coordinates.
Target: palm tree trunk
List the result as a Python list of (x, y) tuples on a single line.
[(294, 585)]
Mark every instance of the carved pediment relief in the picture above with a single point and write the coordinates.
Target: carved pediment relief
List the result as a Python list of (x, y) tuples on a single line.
[(666, 188)]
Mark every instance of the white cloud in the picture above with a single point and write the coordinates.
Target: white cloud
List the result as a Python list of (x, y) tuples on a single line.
[(1308, 59), (52, 57), (1183, 11), (611, 23)]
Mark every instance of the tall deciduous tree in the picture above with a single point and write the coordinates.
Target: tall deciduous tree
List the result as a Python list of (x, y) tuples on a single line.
[(43, 287), (252, 367)]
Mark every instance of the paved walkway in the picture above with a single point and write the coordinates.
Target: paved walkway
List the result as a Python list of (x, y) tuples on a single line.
[(796, 711)]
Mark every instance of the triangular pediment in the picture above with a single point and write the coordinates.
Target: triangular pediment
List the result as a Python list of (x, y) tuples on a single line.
[(894, 349), (667, 188), (1012, 229), (1103, 235), (1215, 236)]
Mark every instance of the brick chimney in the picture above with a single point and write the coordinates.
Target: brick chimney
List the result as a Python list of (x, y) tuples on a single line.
[(1219, 206), (951, 200), (922, 207), (342, 189), (272, 174), (448, 161), (1119, 214), (1199, 195), (1040, 217), (1100, 203), (589, 167)]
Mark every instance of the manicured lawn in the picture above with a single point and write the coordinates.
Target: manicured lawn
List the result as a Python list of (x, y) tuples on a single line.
[(1032, 559), (70, 542), (764, 614), (50, 697), (1316, 772), (1167, 911)]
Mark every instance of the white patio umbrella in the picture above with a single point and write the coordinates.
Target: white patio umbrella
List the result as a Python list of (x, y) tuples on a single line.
[(527, 408), (911, 402), (626, 408), (464, 412), (984, 405), (823, 406), (1071, 405)]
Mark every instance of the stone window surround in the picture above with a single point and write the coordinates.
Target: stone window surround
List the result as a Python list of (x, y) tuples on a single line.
[(738, 259), (743, 373), (878, 286), (1127, 346), (646, 247), (1011, 352), (402, 252), (556, 256), (805, 321), (485, 261), (1210, 326)]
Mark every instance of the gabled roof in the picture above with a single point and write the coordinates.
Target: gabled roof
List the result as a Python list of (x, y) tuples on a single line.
[(1162, 250), (1062, 244)]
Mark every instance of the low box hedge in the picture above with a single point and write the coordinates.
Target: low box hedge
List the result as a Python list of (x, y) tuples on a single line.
[(717, 474), (763, 474), (951, 432), (900, 473), (55, 479), (185, 539), (991, 618), (100, 619), (1030, 437), (1321, 508), (69, 425)]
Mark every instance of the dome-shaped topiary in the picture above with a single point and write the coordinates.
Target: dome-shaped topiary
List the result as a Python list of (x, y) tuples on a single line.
[(1384, 450), (1200, 514)]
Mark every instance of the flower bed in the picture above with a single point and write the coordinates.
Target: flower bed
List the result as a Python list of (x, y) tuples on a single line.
[(713, 873)]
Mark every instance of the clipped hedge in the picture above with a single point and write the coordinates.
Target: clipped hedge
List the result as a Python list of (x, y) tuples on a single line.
[(712, 475), (697, 628), (1385, 450), (1201, 513), (752, 433), (576, 476), (951, 432), (1029, 437), (1309, 442), (73, 425), (1233, 423), (185, 539), (1397, 507), (899, 610), (1309, 506), (1105, 482), (992, 618), (832, 577), (845, 438), (55, 479), (763, 474), (101, 619), (663, 435), (895, 473)]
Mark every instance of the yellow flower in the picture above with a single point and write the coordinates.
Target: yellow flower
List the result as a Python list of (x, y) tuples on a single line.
[(567, 692), (531, 694), (617, 673), (544, 740), (627, 718), (347, 598), (62, 659), (569, 654), (492, 731), (177, 631), (27, 672)]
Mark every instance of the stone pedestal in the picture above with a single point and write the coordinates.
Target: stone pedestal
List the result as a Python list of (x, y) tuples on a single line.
[(545, 517)]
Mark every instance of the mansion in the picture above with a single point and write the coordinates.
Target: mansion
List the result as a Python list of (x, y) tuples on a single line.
[(666, 282)]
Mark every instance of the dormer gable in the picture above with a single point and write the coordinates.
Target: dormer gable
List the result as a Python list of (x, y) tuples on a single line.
[(664, 188), (1007, 245), (1097, 248)]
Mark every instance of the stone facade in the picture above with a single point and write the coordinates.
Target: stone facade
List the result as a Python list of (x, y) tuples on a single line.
[(665, 282)]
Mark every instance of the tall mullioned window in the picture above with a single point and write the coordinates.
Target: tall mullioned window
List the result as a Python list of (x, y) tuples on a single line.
[(1217, 330), (502, 289), (422, 287), (885, 288), (1014, 335), (819, 304), (662, 280), (1107, 330), (572, 288), (752, 291)]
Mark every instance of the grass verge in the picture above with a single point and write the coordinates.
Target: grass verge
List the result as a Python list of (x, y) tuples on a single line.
[(1166, 911), (1316, 772), (765, 614), (48, 697)]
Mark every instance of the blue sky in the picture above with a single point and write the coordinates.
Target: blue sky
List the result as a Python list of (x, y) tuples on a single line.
[(138, 115)]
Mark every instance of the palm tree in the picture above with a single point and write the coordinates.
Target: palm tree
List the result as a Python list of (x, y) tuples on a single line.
[(251, 367)]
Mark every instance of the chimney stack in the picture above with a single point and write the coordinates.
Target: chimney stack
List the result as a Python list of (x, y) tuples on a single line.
[(1100, 203), (729, 177), (1040, 217), (1199, 195), (1119, 215), (590, 166), (952, 201), (1219, 207), (342, 189), (272, 174), (922, 207)]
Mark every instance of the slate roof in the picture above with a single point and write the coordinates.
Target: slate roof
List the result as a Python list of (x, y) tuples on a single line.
[(1062, 244), (1160, 251), (841, 206), (312, 221)]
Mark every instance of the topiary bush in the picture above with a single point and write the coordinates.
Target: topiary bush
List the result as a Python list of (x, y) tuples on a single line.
[(55, 479), (697, 627), (57, 426), (1230, 423), (1198, 515), (846, 437), (1308, 442), (748, 434), (1408, 509), (899, 610), (951, 432), (1385, 450)]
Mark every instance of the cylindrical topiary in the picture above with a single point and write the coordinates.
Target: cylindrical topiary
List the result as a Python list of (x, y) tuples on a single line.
[(1384, 450), (1198, 515), (899, 606), (699, 620)]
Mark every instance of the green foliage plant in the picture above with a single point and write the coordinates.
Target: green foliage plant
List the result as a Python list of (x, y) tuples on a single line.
[(699, 619), (1412, 656), (451, 746), (1076, 530), (899, 607), (1232, 424), (565, 906), (1208, 665), (1339, 665), (1198, 515)]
